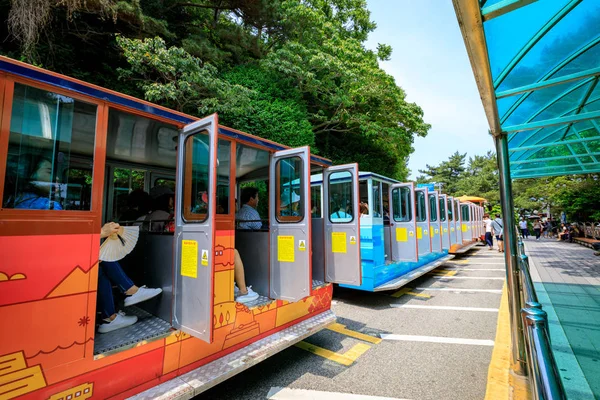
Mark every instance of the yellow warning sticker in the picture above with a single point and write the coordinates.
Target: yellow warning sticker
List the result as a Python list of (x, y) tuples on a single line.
[(402, 235), (451, 229), (285, 248), (352, 239), (204, 258), (445, 230), (338, 242), (426, 232), (419, 232), (437, 231), (432, 234), (411, 234), (465, 228), (302, 245), (189, 258)]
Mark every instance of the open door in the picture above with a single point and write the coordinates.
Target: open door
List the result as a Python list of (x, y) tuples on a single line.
[(435, 224), (466, 222), (444, 223), (342, 225), (459, 222), (422, 212), (290, 221), (403, 222), (452, 220), (195, 228)]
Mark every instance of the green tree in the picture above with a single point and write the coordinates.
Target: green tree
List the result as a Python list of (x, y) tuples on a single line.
[(448, 173)]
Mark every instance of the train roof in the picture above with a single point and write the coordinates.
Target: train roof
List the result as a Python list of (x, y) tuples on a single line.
[(318, 178)]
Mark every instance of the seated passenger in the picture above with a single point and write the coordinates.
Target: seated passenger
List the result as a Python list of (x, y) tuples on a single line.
[(111, 273), (162, 209), (29, 184), (139, 204), (289, 204), (248, 211), (338, 215), (364, 209), (250, 220)]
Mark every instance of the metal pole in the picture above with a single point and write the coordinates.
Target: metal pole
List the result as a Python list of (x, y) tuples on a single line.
[(511, 257)]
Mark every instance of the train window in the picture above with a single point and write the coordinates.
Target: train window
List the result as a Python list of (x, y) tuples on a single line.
[(421, 207), (450, 210), (432, 208), (168, 182), (386, 203), (465, 213), (442, 210), (195, 178), (376, 206), (290, 207), (223, 173), (48, 131), (401, 198), (315, 198), (341, 197), (125, 181)]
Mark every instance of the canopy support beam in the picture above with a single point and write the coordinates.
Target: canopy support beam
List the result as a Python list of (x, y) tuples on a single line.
[(536, 146), (511, 257), (551, 122), (534, 160), (503, 7)]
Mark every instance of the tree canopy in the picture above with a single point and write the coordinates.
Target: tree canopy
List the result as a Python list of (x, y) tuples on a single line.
[(294, 72)]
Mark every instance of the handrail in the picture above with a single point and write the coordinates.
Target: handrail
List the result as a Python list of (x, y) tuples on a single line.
[(541, 365)]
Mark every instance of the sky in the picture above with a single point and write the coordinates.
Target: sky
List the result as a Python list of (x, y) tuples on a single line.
[(430, 63)]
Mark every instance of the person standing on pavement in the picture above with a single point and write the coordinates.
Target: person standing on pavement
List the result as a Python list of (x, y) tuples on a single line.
[(523, 227), (537, 228), (498, 227), (488, 231)]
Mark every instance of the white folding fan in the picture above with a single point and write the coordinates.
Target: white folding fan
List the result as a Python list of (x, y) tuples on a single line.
[(119, 244)]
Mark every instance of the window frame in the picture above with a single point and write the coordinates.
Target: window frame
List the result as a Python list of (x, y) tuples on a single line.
[(287, 219), (351, 199)]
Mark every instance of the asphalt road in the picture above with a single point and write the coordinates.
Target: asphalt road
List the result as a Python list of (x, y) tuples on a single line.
[(419, 364)]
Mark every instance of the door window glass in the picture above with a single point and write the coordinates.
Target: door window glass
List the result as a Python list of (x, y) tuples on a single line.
[(196, 169), (341, 197), (465, 213), (376, 206), (223, 173), (450, 212), (401, 198), (442, 209), (433, 207), (421, 206), (290, 205), (50, 151), (386, 203)]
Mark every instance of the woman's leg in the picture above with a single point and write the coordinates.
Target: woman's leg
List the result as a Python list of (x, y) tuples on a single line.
[(106, 303), (238, 272), (115, 273)]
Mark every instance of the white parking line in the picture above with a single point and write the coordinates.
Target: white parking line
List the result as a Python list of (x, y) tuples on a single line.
[(477, 269), (422, 307), (437, 339), (468, 277), (474, 263), (279, 393), (446, 289)]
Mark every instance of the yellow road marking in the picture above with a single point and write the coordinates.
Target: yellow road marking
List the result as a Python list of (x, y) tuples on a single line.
[(346, 358), (339, 328), (443, 272), (458, 262), (407, 290)]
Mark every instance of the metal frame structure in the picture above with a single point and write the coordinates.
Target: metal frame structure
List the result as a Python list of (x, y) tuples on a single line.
[(542, 101)]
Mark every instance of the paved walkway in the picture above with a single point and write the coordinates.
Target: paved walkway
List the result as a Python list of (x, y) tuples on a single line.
[(430, 341), (567, 281)]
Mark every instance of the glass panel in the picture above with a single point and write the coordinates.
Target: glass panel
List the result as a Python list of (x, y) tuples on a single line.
[(450, 210), (50, 151), (315, 198), (432, 208), (196, 178), (465, 213), (223, 172), (133, 138), (402, 204), (290, 207), (341, 197), (442, 210), (125, 181), (376, 206), (386, 203), (421, 207), (168, 182)]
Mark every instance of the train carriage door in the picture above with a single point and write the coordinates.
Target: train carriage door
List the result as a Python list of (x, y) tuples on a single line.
[(403, 222), (342, 225), (444, 224), (435, 225), (465, 222), (290, 221), (422, 213), (458, 221), (195, 228), (451, 220)]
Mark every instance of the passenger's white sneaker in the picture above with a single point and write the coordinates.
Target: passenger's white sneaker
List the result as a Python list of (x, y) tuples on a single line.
[(247, 298), (236, 290), (121, 321), (142, 294)]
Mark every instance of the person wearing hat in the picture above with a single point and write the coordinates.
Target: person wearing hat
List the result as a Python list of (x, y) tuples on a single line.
[(289, 204)]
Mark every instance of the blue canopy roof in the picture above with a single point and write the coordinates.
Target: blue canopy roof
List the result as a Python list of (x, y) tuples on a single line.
[(537, 65)]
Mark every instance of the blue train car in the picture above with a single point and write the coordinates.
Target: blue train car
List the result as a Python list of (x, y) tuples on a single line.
[(400, 228)]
